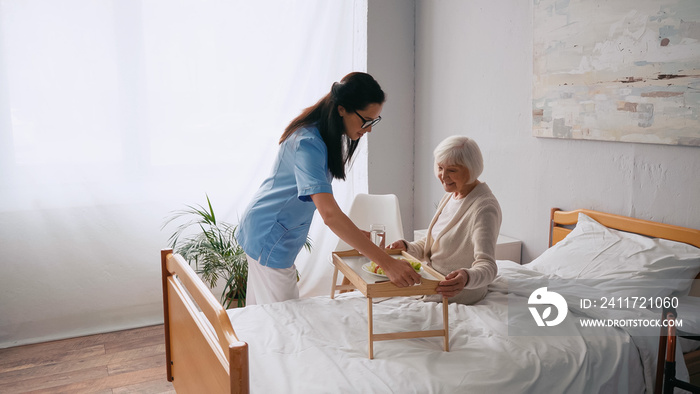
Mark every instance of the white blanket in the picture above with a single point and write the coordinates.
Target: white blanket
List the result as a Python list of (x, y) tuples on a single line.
[(319, 345)]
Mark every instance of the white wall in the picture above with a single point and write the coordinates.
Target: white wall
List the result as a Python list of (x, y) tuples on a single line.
[(474, 77), (390, 59)]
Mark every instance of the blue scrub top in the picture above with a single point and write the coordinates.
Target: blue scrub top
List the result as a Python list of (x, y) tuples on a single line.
[(275, 224)]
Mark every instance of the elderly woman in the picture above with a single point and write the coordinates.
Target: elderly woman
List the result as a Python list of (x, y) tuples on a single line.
[(461, 238)]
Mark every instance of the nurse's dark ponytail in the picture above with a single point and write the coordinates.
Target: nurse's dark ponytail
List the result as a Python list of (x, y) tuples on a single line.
[(354, 92)]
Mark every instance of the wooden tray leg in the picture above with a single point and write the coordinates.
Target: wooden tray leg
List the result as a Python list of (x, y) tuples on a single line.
[(445, 322), (346, 285), (335, 281), (370, 328)]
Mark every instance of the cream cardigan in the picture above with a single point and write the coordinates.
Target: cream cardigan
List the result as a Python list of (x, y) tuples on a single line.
[(467, 242)]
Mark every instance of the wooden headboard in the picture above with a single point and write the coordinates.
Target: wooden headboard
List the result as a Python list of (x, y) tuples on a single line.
[(561, 219)]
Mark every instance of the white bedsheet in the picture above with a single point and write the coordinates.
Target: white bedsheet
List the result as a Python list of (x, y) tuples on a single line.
[(319, 345)]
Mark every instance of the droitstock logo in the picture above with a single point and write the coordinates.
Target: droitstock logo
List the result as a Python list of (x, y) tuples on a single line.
[(543, 297)]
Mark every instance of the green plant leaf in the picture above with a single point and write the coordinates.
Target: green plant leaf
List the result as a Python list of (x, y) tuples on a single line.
[(212, 249)]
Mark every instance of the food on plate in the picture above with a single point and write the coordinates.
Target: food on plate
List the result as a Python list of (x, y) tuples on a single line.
[(415, 265), (378, 270)]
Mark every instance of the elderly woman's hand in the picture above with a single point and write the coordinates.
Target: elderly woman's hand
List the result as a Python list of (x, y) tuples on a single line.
[(454, 283), (400, 244)]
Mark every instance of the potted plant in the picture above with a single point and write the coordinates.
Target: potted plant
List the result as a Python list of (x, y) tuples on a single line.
[(213, 250)]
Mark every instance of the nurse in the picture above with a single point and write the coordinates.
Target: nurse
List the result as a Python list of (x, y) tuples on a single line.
[(314, 148)]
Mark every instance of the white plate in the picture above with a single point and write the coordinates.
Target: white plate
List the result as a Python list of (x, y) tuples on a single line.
[(367, 267)]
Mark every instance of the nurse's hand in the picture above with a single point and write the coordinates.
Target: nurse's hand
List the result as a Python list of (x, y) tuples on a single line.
[(400, 272)]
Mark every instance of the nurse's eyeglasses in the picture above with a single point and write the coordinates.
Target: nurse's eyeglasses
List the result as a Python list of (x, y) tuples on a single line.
[(368, 122)]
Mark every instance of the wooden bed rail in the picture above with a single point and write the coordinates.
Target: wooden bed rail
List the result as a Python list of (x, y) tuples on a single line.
[(191, 312)]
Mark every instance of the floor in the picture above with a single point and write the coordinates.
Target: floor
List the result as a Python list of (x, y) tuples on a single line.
[(131, 361)]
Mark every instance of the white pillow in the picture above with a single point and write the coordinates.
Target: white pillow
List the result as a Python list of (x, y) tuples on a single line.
[(620, 262)]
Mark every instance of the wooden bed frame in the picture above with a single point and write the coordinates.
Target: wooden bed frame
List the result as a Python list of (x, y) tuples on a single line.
[(199, 361), (561, 222)]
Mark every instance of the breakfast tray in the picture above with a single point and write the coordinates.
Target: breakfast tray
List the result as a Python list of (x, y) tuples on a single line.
[(350, 264)]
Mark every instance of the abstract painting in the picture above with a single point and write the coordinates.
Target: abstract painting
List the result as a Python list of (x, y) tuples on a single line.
[(623, 70)]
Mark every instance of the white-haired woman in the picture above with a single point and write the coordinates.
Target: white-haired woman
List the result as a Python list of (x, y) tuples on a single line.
[(461, 239)]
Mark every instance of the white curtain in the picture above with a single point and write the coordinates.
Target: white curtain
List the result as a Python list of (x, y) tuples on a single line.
[(115, 113)]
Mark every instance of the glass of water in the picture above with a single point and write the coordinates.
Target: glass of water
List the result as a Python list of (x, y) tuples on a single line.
[(378, 235)]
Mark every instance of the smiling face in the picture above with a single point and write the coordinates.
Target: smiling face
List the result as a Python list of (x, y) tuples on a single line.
[(454, 178), (353, 120)]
